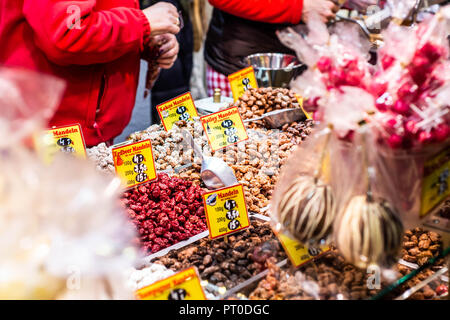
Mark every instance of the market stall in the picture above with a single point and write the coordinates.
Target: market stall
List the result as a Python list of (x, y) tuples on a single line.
[(339, 184)]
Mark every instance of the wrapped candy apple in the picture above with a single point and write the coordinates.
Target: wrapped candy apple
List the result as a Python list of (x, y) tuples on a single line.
[(368, 229), (335, 59), (303, 204)]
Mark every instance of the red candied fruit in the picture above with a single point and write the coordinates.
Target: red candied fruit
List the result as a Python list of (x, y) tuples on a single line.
[(165, 211)]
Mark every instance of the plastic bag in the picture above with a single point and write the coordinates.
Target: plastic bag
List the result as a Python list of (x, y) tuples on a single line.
[(367, 228), (60, 225)]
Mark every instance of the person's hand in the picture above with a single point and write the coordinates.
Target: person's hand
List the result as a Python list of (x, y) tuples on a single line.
[(163, 18), (325, 9), (168, 50)]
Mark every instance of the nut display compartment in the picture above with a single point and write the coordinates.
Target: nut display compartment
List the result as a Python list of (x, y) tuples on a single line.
[(228, 262)]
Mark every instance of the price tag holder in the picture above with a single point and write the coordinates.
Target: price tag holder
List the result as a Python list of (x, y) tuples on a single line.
[(241, 81), (184, 285), (67, 139), (134, 163), (177, 109), (436, 182), (300, 101), (226, 211), (224, 128), (298, 253)]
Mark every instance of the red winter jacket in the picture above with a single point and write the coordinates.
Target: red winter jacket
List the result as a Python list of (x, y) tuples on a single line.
[(98, 56), (269, 11)]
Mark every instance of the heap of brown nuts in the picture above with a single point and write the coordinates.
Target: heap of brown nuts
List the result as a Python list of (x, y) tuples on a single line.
[(428, 292), (255, 102), (227, 264), (298, 131), (420, 245)]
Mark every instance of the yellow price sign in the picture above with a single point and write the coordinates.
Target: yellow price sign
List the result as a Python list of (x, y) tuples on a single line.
[(226, 211), (184, 285), (134, 163), (224, 128), (177, 109), (298, 253), (436, 182), (67, 139), (301, 100), (241, 81)]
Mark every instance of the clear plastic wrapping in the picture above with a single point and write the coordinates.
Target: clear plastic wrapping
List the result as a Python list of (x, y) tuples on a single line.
[(400, 107), (61, 226)]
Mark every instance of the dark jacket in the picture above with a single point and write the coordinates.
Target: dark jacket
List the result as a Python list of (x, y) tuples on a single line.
[(230, 39)]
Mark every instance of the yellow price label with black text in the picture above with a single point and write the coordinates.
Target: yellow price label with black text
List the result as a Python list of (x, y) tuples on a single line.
[(134, 163), (436, 182), (298, 253), (177, 109), (300, 102), (241, 81), (226, 211), (184, 285), (224, 128), (66, 139)]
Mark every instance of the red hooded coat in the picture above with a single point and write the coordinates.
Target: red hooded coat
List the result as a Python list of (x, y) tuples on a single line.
[(94, 45)]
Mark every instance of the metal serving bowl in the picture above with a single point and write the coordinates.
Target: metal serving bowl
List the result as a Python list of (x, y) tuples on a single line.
[(275, 69)]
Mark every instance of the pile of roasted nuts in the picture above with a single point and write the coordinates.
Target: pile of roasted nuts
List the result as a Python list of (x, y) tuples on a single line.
[(431, 291), (255, 102), (444, 211), (226, 263), (420, 245), (165, 211), (298, 131), (329, 278), (169, 149)]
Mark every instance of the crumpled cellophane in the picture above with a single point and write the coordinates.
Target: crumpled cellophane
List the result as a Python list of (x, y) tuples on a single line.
[(62, 231), (310, 160)]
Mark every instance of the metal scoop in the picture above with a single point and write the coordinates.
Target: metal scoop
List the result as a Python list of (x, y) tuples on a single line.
[(215, 173), (278, 118)]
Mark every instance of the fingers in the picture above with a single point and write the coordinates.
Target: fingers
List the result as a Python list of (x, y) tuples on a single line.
[(170, 47), (163, 18), (168, 51), (171, 9), (331, 9), (335, 8), (169, 54), (173, 29)]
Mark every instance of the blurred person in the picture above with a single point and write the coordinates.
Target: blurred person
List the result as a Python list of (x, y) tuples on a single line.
[(241, 28), (96, 47), (176, 80)]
